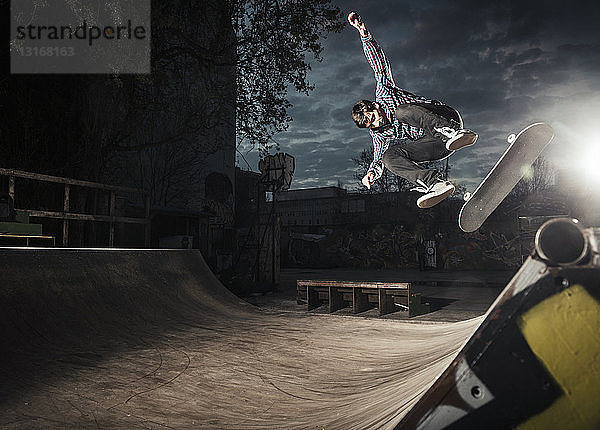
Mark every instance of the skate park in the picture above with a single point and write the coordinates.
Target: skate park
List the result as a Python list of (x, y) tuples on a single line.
[(199, 228), (151, 339), (244, 368)]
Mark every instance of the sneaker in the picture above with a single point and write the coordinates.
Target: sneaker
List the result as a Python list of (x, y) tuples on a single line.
[(433, 194), (461, 139)]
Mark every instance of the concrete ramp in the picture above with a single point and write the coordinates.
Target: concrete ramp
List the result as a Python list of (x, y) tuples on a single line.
[(150, 339), (56, 298), (123, 339)]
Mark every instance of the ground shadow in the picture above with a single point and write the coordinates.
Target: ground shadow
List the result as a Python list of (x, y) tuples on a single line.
[(437, 303)]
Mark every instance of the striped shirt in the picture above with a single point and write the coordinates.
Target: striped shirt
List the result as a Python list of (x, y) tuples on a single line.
[(389, 96)]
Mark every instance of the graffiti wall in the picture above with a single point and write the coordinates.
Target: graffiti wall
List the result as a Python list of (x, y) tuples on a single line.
[(380, 246), (495, 248), (416, 246)]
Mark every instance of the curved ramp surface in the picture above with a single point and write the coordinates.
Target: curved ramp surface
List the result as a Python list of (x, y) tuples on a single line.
[(151, 339)]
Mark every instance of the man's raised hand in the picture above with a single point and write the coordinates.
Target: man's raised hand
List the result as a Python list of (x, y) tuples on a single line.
[(368, 180), (354, 20)]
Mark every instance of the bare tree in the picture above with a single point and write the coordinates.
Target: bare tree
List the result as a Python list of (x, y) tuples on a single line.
[(274, 38), (216, 65)]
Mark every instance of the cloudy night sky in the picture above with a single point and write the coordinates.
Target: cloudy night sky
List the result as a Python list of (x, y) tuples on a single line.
[(503, 65)]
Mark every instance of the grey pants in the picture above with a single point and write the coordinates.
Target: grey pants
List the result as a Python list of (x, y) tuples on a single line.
[(403, 159)]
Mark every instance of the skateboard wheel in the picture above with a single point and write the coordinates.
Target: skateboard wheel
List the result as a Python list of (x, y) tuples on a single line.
[(511, 138), (467, 196)]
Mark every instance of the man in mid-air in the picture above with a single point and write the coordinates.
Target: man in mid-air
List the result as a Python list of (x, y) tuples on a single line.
[(406, 129)]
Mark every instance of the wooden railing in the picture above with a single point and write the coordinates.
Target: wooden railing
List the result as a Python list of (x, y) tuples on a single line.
[(66, 215)]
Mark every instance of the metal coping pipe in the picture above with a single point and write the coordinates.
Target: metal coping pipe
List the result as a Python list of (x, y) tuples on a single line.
[(561, 242)]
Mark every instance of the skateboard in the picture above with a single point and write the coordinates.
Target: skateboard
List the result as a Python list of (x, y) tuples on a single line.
[(524, 149)]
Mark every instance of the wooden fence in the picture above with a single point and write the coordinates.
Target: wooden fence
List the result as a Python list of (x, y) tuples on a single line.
[(67, 215)]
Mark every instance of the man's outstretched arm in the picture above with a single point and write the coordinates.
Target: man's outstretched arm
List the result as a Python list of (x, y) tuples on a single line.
[(375, 170), (373, 52)]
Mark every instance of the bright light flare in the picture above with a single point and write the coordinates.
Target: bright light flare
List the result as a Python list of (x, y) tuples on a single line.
[(590, 162)]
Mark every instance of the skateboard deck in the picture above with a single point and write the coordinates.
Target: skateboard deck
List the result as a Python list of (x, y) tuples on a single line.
[(524, 149)]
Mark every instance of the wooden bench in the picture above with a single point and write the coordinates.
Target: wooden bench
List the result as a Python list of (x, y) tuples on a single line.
[(388, 297)]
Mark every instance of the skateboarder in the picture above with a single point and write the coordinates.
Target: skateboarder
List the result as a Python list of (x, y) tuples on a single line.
[(406, 129)]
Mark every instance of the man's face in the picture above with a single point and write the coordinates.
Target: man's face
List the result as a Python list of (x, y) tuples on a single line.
[(375, 118)]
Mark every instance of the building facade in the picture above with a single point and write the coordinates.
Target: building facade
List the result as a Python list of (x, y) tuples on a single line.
[(330, 206)]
